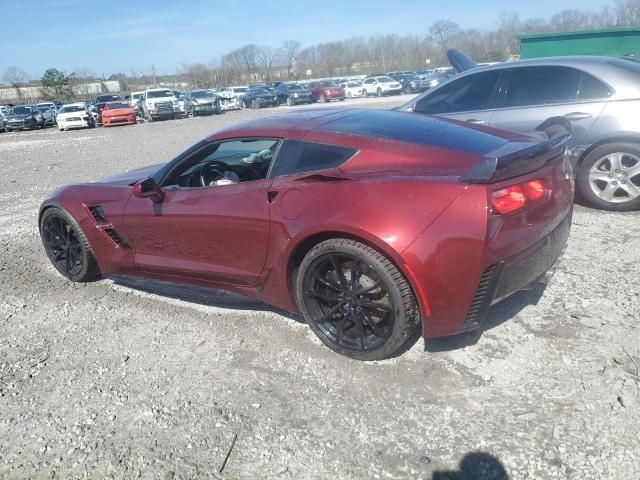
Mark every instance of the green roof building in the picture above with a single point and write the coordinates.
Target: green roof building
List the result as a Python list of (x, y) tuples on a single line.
[(613, 42)]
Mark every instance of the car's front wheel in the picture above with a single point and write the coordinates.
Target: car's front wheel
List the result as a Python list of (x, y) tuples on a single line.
[(609, 177), (356, 300), (67, 246)]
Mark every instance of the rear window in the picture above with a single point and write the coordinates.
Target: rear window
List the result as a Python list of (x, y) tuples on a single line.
[(417, 129), (298, 157)]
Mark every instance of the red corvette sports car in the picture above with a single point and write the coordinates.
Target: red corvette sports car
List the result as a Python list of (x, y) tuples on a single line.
[(118, 113), (372, 224)]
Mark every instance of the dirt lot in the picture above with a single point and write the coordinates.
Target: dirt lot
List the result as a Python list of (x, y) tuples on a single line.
[(122, 381)]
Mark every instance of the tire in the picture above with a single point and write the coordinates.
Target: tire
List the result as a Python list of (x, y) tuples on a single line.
[(365, 94), (609, 177), (289, 101), (54, 225), (255, 104), (322, 99), (348, 94), (381, 291), (379, 92)]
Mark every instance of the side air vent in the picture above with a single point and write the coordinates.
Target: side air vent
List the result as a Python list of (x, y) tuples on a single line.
[(117, 239), (98, 214), (482, 299)]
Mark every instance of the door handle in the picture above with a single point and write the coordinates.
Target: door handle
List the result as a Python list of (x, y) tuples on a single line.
[(574, 116), (475, 121)]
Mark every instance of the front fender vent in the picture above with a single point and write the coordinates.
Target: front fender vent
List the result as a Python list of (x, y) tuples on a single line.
[(98, 214), (102, 223), (116, 238)]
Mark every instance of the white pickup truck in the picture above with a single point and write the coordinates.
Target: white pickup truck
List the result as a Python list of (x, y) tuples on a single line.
[(159, 103)]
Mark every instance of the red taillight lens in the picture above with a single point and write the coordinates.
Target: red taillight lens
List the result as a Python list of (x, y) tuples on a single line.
[(508, 199), (534, 189)]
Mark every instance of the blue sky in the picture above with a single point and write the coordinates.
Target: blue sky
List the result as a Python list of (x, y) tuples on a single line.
[(108, 36)]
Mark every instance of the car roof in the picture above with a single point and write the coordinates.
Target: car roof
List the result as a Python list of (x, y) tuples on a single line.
[(356, 126), (610, 70)]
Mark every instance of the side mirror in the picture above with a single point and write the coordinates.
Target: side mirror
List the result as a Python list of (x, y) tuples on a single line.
[(148, 188)]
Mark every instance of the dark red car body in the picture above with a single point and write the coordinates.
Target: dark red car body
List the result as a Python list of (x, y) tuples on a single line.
[(417, 190), (325, 91)]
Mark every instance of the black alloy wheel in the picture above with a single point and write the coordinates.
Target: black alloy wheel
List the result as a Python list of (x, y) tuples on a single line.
[(356, 300), (67, 247)]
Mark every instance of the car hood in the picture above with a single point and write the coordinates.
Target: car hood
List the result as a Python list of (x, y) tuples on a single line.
[(71, 114), (210, 99), (132, 176), (20, 116), (117, 111)]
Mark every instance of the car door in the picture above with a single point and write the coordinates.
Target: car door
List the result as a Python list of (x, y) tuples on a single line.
[(470, 98), (218, 232), (535, 93), (369, 85)]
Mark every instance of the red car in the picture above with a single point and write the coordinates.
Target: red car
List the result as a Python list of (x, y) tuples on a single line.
[(372, 224), (118, 113), (325, 91)]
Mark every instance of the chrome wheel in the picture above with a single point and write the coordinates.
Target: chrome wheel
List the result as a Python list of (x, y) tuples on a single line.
[(615, 177)]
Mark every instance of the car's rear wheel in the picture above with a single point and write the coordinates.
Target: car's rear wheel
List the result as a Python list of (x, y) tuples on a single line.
[(379, 92), (255, 104), (322, 98), (356, 300), (289, 101), (67, 246), (609, 177), (365, 93)]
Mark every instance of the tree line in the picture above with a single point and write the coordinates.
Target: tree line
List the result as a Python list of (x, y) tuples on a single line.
[(352, 56)]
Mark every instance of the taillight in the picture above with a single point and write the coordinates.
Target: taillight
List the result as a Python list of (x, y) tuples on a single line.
[(515, 197), (534, 189), (508, 199)]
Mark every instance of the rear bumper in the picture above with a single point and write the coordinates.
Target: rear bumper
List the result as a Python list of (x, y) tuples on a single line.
[(534, 265)]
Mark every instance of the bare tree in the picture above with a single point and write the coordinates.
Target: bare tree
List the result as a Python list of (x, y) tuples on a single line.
[(265, 57), (84, 77), (290, 50), (443, 30), (17, 78)]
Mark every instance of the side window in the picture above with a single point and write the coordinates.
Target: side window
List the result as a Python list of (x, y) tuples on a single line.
[(298, 157), (592, 88), (542, 86), (369, 81), (470, 93), (224, 163)]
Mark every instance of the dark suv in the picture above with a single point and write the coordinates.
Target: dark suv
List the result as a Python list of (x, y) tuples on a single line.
[(600, 96)]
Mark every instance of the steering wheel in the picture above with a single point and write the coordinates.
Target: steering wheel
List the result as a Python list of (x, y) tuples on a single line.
[(212, 171)]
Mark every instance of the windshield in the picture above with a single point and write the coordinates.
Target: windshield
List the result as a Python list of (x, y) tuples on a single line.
[(21, 110), (116, 106), (136, 96), (295, 87), (159, 93), (239, 89), (260, 90), (385, 79), (71, 108), (202, 94), (327, 83)]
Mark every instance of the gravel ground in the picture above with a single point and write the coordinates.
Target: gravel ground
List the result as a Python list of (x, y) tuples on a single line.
[(106, 380)]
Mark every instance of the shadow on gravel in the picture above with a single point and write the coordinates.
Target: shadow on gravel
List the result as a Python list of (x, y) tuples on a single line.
[(498, 314), (202, 296), (475, 466)]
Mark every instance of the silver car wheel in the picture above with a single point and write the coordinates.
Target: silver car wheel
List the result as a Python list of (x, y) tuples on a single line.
[(615, 177)]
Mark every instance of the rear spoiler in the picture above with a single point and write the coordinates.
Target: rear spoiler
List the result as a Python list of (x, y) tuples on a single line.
[(526, 160)]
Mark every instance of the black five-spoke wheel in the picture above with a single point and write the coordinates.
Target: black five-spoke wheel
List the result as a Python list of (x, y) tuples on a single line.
[(67, 246), (356, 300)]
